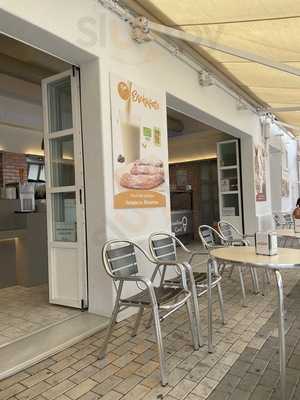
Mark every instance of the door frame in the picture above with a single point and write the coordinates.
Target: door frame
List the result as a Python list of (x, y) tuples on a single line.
[(78, 188)]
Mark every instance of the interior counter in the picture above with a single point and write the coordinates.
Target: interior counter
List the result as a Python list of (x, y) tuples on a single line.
[(23, 245)]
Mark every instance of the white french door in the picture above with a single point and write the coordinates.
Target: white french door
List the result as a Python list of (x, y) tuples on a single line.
[(230, 192), (65, 190)]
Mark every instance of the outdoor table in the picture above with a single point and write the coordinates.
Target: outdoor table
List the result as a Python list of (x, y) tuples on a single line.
[(288, 233), (286, 259)]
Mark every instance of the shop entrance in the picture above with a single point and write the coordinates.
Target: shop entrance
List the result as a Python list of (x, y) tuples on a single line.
[(204, 168), (42, 234)]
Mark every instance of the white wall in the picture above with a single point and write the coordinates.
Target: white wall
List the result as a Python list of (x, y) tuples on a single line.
[(275, 177), (21, 118), (81, 32), (280, 141), (20, 140)]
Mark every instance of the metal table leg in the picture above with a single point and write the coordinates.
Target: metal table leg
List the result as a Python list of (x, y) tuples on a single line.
[(281, 334), (209, 299)]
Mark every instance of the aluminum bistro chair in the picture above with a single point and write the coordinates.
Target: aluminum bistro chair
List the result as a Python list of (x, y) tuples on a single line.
[(232, 235), (278, 221), (236, 238), (211, 239), (121, 264), (289, 221), (163, 248)]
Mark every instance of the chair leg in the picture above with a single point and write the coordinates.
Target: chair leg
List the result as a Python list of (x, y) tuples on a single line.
[(231, 271), (192, 324), (242, 286), (112, 321), (209, 307), (161, 354), (263, 292), (102, 353), (149, 322), (221, 302), (137, 321), (254, 280), (220, 295), (195, 303), (222, 268), (267, 272)]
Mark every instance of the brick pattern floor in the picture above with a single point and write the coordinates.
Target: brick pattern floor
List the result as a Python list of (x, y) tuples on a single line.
[(255, 374), (244, 362), (27, 310)]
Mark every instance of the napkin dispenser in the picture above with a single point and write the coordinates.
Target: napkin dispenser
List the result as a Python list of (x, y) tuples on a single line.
[(266, 243)]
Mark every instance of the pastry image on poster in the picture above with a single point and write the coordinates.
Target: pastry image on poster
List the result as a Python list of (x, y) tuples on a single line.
[(139, 146)]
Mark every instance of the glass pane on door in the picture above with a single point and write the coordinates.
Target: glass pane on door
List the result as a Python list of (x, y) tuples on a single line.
[(64, 217), (228, 154), (60, 105), (230, 205), (229, 180), (62, 161)]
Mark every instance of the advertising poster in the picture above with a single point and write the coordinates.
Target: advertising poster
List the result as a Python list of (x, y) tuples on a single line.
[(260, 173), (139, 145), (285, 182)]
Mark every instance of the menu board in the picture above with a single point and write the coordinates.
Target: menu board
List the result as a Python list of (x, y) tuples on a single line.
[(139, 139)]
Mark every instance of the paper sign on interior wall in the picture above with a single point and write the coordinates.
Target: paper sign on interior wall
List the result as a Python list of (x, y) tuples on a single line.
[(260, 173), (285, 182), (140, 152)]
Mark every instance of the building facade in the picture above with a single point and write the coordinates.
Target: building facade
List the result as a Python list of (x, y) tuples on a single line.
[(94, 39)]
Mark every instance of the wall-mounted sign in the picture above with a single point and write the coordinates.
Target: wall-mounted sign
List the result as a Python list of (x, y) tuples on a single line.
[(139, 145), (182, 222)]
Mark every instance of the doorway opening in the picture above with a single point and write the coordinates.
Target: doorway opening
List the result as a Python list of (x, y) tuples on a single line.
[(205, 183), (42, 193)]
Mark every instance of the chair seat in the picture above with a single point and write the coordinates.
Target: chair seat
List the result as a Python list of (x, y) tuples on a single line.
[(238, 243), (163, 295), (199, 277)]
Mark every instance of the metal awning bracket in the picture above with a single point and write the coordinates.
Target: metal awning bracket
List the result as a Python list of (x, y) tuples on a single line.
[(141, 30)]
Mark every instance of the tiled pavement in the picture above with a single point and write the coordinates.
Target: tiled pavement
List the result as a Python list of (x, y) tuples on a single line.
[(244, 364), (255, 374), (25, 310)]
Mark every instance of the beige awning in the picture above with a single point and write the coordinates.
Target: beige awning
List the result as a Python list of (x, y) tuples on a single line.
[(268, 28)]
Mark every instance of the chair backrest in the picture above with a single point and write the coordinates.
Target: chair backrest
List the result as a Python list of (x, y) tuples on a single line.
[(288, 218), (209, 236), (119, 258), (229, 231), (163, 246), (226, 230), (277, 220)]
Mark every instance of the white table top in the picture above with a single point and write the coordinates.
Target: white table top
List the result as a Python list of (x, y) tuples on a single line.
[(285, 259), (288, 233)]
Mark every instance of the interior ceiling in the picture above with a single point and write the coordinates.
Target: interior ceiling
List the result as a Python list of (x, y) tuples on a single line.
[(181, 124), (268, 28), (194, 141), (24, 62)]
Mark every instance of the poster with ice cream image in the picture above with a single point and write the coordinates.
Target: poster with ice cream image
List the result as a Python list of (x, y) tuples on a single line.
[(139, 145)]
